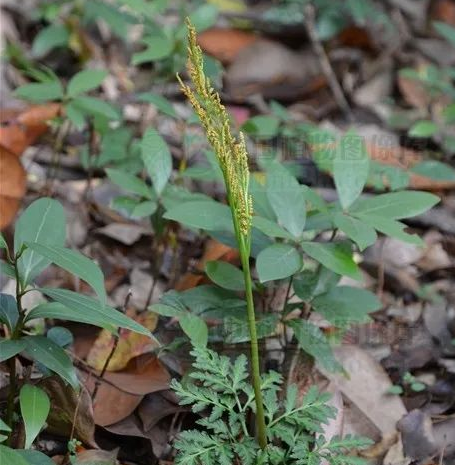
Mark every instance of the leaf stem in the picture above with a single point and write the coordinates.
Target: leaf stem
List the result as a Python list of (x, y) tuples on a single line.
[(255, 365)]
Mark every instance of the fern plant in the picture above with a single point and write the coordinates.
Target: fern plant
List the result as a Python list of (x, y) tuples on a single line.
[(220, 389), (288, 432)]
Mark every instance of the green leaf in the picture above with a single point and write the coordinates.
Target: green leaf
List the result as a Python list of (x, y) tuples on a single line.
[(335, 257), (157, 159), (262, 126), (11, 457), (350, 168), (75, 115), (212, 216), (95, 107), (85, 310), (75, 263), (345, 305), (362, 234), (391, 228), (287, 198), (129, 182), (35, 407), (160, 102), (424, 128), (204, 17), (53, 36), (142, 209), (42, 222), (52, 356), (159, 46), (434, 169), (309, 284), (166, 310), (8, 311), (395, 205), (60, 335), (446, 30), (195, 328), (270, 228), (312, 340), (3, 244), (278, 261), (34, 457), (40, 92), (9, 348), (7, 269), (225, 275), (85, 80)]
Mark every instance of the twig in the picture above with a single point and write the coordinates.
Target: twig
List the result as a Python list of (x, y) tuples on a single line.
[(111, 354), (327, 69)]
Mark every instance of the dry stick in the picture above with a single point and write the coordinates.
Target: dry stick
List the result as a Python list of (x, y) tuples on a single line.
[(111, 354), (327, 69)]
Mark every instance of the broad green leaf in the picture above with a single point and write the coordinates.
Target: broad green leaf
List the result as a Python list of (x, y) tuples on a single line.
[(7, 269), (278, 261), (35, 407), (362, 234), (60, 335), (3, 244), (52, 356), (350, 168), (446, 30), (55, 35), (95, 107), (75, 115), (262, 126), (287, 198), (75, 263), (117, 19), (270, 228), (157, 159), (345, 305), (85, 80), (40, 92), (236, 329), (11, 457), (160, 102), (225, 275), (395, 205), (424, 128), (209, 215), (204, 17), (309, 284), (195, 328), (391, 228), (9, 348), (449, 114), (42, 222), (86, 309), (142, 209), (158, 47), (335, 257), (129, 182), (312, 340), (34, 457), (166, 310), (8, 311), (435, 170)]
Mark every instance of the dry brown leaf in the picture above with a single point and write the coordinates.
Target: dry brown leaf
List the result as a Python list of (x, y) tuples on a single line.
[(413, 92), (111, 403), (12, 186), (225, 44), (130, 344), (142, 375), (366, 386), (69, 410), (20, 128), (444, 10)]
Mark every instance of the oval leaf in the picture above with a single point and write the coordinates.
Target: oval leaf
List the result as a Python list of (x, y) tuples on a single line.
[(75, 263), (225, 275), (9, 348), (278, 262), (35, 407)]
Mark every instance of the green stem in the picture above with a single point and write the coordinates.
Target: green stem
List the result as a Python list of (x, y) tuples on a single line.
[(255, 365)]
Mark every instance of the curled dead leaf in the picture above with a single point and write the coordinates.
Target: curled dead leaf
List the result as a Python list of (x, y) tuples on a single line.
[(130, 344)]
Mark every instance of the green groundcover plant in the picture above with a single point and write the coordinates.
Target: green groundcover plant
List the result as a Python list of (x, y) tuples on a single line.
[(39, 240), (286, 431)]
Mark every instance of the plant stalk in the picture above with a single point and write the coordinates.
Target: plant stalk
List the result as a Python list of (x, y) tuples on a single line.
[(255, 363)]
